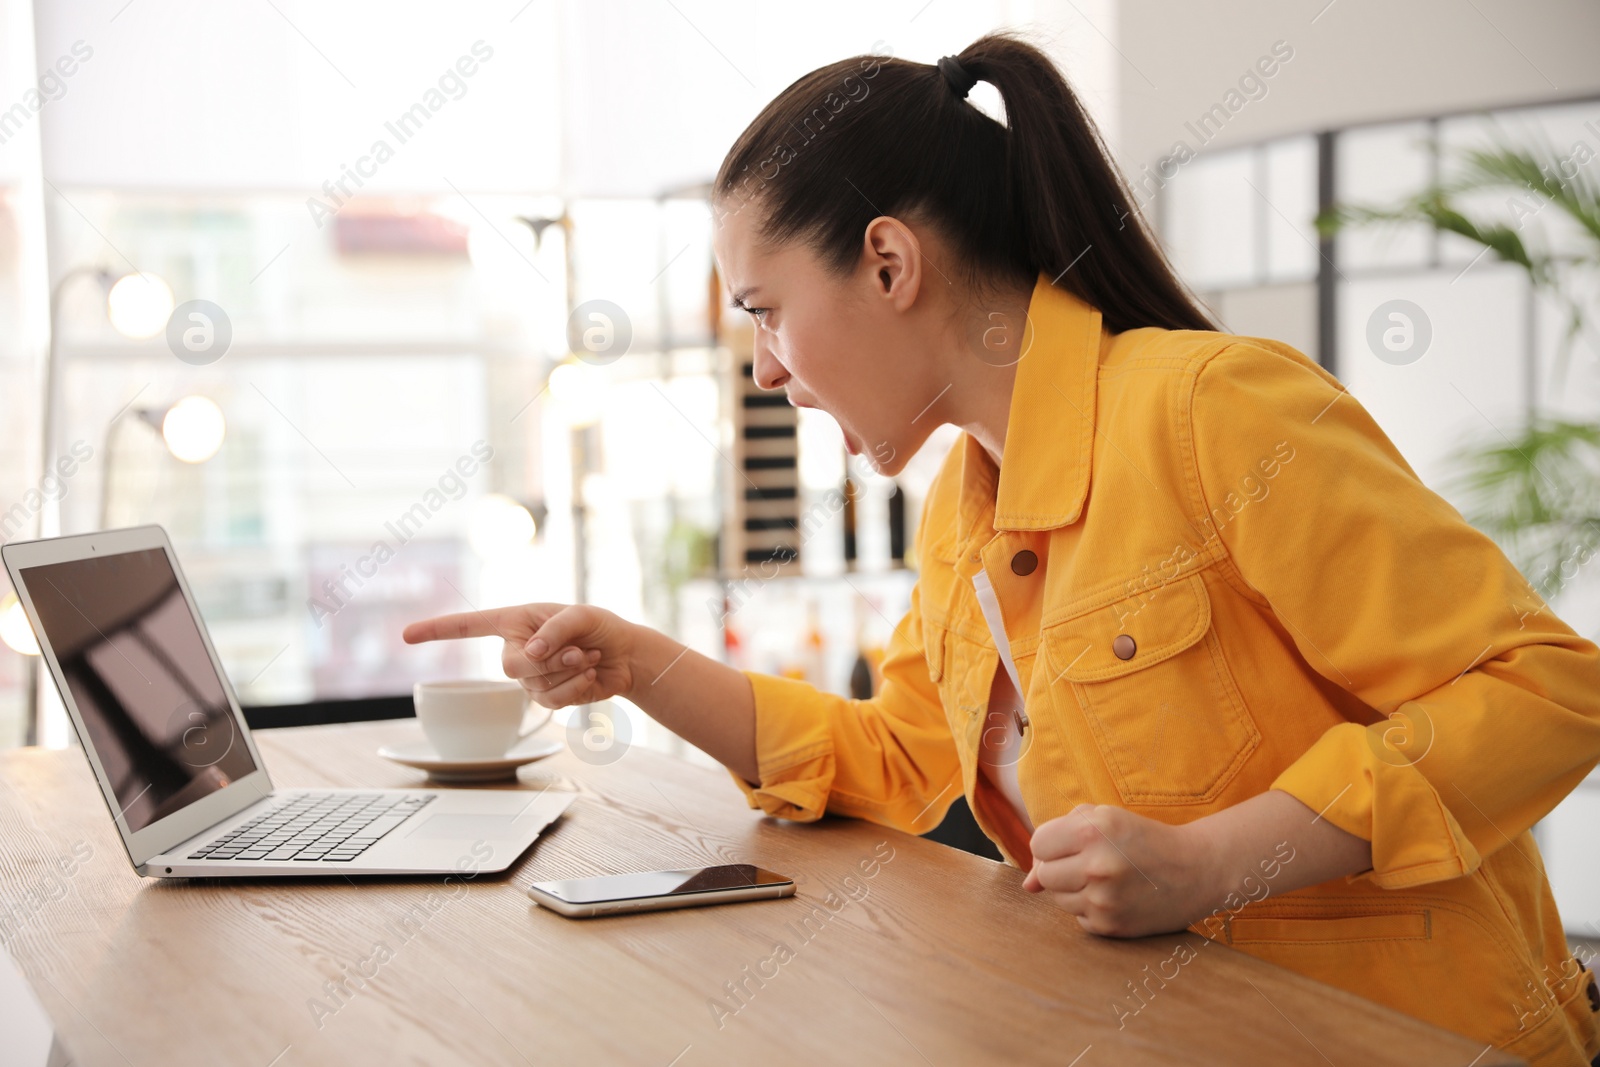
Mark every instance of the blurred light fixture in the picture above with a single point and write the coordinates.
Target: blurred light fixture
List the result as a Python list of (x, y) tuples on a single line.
[(14, 628), (579, 391), (139, 305), (193, 429), (499, 526)]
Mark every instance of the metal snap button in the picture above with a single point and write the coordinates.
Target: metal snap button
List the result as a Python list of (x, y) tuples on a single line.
[(1024, 562), (1124, 646)]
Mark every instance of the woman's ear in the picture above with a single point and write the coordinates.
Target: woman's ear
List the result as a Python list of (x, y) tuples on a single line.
[(892, 258)]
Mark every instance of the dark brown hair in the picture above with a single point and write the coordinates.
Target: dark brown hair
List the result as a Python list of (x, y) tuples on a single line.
[(872, 135)]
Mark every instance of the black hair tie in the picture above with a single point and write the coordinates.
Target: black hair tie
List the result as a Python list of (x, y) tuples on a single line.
[(956, 76)]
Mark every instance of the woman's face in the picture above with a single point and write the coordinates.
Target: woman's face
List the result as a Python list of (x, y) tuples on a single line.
[(848, 346)]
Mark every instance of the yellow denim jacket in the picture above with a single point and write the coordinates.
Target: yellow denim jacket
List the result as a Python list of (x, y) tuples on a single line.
[(1219, 577)]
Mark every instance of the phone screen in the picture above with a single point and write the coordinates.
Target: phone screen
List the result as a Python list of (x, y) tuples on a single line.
[(650, 884)]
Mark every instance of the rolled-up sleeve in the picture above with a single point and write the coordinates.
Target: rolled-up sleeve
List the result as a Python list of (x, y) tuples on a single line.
[(890, 759), (1487, 704)]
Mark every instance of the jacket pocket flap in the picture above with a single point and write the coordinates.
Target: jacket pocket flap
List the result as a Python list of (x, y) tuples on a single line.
[(1388, 926), (1159, 624), (933, 648)]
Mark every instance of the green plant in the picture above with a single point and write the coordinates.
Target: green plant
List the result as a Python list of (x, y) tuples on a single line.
[(1537, 493), (1539, 496)]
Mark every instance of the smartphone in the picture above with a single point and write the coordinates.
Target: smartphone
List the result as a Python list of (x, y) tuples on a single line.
[(580, 898)]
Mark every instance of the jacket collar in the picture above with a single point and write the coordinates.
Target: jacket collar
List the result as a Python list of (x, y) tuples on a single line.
[(1044, 475)]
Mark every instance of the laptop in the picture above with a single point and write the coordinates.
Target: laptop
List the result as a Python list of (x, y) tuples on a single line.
[(164, 735)]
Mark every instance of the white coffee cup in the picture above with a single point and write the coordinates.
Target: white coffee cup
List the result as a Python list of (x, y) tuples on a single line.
[(473, 719)]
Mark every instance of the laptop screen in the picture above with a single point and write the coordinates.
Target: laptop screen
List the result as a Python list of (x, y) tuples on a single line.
[(150, 699)]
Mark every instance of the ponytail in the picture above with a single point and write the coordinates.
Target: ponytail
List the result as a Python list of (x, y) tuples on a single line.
[(872, 136)]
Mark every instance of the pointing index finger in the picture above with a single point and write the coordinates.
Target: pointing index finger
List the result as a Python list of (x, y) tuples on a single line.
[(496, 622)]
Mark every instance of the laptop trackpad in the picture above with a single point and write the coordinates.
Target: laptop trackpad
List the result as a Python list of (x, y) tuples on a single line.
[(464, 827)]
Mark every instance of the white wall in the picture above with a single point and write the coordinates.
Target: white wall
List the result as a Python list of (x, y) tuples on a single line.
[(1353, 61), (617, 99), (183, 94)]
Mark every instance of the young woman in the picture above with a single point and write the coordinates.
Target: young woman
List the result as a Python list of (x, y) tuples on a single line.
[(1189, 634)]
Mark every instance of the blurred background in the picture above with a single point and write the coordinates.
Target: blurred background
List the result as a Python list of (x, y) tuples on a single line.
[(390, 310)]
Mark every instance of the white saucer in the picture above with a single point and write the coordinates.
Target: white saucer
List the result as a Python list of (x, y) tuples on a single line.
[(420, 754)]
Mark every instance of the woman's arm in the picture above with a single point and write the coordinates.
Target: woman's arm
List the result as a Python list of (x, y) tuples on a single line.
[(708, 704), (1243, 836), (1493, 702), (795, 750), (1125, 875), (577, 654)]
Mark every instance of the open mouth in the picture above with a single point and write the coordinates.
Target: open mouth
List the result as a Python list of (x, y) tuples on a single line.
[(849, 442)]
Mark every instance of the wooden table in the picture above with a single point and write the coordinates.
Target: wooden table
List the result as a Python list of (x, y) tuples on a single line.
[(935, 957)]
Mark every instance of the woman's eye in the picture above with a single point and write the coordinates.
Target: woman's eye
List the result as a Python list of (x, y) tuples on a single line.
[(757, 313)]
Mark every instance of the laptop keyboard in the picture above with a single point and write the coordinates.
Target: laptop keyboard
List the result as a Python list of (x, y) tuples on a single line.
[(322, 827)]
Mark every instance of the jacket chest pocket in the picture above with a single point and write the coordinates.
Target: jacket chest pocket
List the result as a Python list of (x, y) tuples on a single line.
[(933, 629), (956, 666), (952, 661), (938, 595), (1150, 679)]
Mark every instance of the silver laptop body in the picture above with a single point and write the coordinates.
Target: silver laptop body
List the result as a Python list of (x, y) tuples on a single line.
[(176, 764)]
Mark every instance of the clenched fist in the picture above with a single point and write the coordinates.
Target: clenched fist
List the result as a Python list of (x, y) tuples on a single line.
[(1121, 874)]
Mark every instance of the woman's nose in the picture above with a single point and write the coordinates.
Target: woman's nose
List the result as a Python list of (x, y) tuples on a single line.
[(767, 372)]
